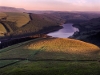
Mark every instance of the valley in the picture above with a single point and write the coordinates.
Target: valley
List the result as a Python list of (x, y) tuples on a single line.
[(26, 48), (33, 24)]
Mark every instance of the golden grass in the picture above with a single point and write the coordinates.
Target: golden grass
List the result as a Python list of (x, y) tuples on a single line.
[(63, 45), (52, 48), (20, 18), (2, 28)]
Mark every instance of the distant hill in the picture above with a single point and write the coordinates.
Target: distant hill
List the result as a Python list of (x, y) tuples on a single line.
[(11, 9), (23, 23)]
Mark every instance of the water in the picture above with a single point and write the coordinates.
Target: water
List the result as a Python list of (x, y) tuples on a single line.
[(65, 32)]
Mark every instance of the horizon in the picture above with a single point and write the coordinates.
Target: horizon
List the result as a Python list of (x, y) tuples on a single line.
[(53, 5)]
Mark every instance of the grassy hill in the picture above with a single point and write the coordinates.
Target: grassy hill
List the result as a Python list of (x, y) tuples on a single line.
[(20, 18), (2, 30), (23, 23), (39, 24), (52, 48), (51, 56), (13, 21)]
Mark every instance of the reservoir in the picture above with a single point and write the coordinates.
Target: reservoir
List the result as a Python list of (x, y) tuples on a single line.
[(67, 31)]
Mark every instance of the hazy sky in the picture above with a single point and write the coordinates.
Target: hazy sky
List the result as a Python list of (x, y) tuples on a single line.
[(62, 5)]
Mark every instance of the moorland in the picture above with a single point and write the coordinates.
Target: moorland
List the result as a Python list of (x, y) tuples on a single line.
[(27, 50)]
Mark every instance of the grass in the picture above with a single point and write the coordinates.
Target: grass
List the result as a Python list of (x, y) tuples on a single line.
[(20, 18), (20, 23), (52, 48), (52, 68), (2, 28), (50, 56), (9, 29), (13, 20), (63, 45), (69, 49), (4, 63)]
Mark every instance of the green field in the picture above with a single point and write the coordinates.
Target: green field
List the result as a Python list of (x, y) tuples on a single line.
[(4, 63), (52, 68), (45, 56), (52, 48), (50, 56)]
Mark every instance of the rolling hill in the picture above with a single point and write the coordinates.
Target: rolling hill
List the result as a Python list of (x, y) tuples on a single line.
[(18, 24), (22, 23), (50, 56), (19, 18), (51, 48), (2, 30)]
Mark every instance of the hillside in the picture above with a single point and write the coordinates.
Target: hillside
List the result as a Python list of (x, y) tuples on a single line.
[(11, 9), (26, 24), (50, 56), (19, 18), (51, 48), (73, 17), (23, 24), (25, 49), (89, 31), (2, 30)]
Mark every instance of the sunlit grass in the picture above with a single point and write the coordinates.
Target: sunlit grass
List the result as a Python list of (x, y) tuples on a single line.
[(53, 49), (64, 45), (20, 18), (65, 58), (2, 28)]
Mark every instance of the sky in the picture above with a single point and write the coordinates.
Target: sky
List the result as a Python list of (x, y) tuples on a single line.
[(58, 5)]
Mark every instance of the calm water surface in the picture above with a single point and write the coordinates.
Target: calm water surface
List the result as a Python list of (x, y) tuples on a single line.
[(65, 32)]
